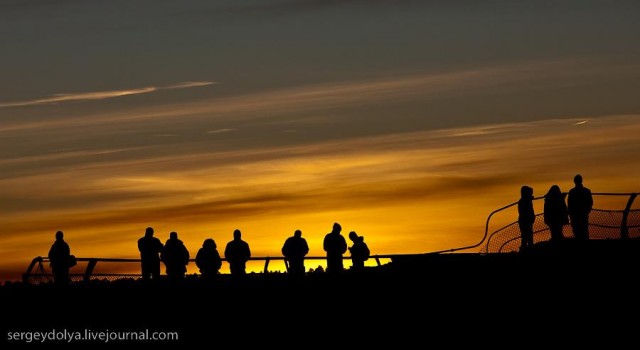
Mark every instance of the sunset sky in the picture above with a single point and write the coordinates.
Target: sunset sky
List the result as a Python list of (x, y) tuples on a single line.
[(405, 121)]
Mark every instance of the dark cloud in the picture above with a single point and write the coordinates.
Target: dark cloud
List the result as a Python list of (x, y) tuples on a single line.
[(12, 6)]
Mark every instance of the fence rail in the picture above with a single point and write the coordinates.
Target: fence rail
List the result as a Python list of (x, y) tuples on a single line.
[(38, 273)]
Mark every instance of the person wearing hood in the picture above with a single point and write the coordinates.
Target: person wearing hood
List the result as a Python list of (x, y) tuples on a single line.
[(555, 213), (175, 257), (359, 251), (208, 259)]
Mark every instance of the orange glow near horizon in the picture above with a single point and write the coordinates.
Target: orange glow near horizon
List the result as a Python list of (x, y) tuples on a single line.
[(406, 193)]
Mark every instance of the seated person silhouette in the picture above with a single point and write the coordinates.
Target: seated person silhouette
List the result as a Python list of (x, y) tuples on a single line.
[(208, 259)]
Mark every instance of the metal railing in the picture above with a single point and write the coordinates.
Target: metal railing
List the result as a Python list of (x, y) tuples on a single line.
[(603, 224), (37, 271)]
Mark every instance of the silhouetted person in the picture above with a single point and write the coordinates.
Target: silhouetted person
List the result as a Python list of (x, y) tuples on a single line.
[(335, 245), (526, 217), (237, 254), (208, 259), (150, 248), (294, 250), (579, 204), (175, 257), (359, 251), (60, 260), (556, 214)]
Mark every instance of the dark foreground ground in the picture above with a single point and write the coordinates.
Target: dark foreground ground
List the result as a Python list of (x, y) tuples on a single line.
[(554, 297)]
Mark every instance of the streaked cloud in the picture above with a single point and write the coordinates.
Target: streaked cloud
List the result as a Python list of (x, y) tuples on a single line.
[(220, 131), (320, 98), (188, 84), (100, 95)]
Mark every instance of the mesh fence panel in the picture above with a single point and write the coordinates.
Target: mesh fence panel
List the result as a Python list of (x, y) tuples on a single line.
[(603, 224)]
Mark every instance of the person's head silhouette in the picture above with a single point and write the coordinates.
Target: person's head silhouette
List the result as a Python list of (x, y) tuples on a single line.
[(526, 192), (353, 235), (237, 234), (577, 179), (337, 228), (209, 243), (173, 235), (59, 236), (555, 190), (297, 234), (148, 232)]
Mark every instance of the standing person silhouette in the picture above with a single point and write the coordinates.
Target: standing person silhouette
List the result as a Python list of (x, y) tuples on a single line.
[(359, 251), (555, 212), (579, 204), (175, 257), (294, 250), (335, 245), (208, 259), (150, 248), (237, 253), (526, 217), (60, 260)]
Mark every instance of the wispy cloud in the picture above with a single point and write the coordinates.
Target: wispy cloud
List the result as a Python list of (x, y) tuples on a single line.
[(83, 96), (312, 101), (220, 131), (188, 84), (100, 95)]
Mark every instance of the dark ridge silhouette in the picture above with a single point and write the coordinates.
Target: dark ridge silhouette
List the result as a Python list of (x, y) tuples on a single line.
[(150, 248), (335, 245), (237, 253), (413, 299), (294, 250)]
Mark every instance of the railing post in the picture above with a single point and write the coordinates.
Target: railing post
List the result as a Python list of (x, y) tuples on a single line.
[(266, 265), (624, 230), (89, 271), (378, 261)]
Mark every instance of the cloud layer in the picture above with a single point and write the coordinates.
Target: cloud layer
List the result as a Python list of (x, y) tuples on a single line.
[(408, 193)]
